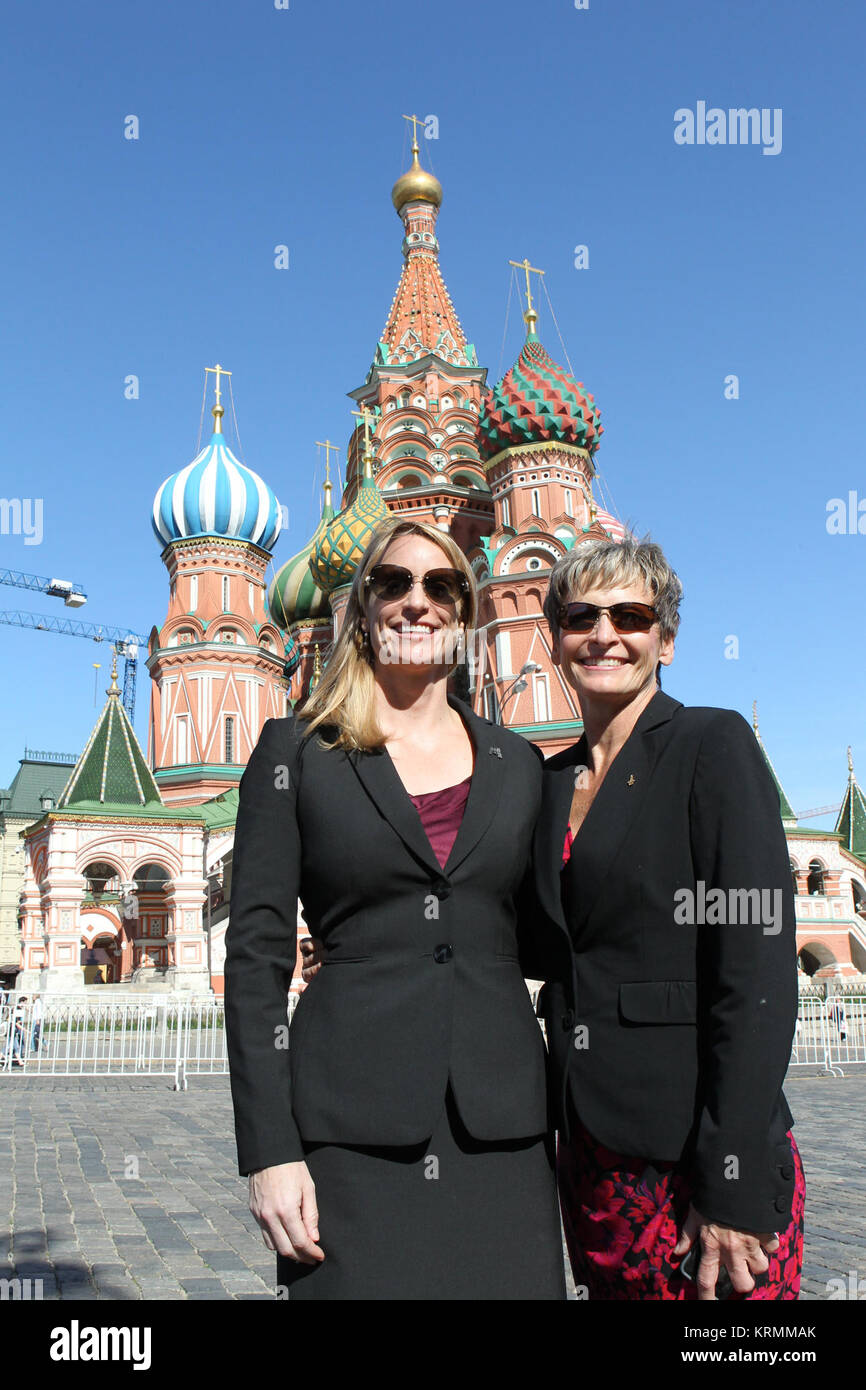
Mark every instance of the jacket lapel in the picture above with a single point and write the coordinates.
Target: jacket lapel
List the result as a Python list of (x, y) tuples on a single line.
[(485, 788), (607, 822), (557, 789), (382, 783)]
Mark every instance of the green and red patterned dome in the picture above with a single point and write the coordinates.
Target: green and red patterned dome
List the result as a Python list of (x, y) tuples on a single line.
[(537, 402)]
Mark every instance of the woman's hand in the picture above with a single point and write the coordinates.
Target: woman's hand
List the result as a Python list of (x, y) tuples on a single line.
[(312, 953), (283, 1201), (743, 1253)]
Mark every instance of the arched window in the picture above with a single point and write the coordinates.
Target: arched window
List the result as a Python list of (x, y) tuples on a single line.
[(230, 738), (150, 876), (101, 878), (858, 893), (794, 877), (816, 878)]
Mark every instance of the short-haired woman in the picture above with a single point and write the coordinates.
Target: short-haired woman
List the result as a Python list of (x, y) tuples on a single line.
[(670, 953), (399, 1148)]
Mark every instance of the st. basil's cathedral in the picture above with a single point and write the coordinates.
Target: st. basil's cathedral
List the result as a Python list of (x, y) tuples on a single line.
[(126, 876)]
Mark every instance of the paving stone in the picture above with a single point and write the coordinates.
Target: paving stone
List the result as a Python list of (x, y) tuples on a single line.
[(185, 1218)]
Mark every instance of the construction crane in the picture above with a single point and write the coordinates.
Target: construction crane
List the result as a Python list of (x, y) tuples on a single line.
[(818, 811), (124, 642), (73, 595)]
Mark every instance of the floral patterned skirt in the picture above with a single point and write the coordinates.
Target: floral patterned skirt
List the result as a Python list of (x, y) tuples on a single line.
[(622, 1219)]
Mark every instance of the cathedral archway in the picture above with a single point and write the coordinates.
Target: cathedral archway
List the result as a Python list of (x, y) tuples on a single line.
[(814, 956)]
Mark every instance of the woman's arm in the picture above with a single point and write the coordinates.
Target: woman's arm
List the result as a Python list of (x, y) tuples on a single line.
[(746, 973), (261, 945)]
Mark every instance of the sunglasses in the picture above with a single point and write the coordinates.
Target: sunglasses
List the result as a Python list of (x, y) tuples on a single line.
[(624, 617), (390, 582)]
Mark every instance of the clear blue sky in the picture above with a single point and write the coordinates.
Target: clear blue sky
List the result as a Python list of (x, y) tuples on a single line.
[(261, 126)]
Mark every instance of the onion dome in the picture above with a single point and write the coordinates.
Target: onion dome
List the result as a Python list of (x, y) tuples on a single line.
[(608, 522), (216, 495), (294, 595), (537, 402), (416, 185), (337, 553)]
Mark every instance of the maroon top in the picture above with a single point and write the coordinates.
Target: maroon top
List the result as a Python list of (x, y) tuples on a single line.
[(441, 813)]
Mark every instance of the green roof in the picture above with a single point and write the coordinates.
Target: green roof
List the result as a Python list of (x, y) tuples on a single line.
[(112, 771), (789, 818), (851, 825), (33, 780)]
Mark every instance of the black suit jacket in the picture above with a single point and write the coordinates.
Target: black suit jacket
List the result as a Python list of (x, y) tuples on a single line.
[(421, 980), (672, 1037)]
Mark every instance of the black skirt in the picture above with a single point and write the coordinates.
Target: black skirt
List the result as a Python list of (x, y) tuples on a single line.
[(452, 1218)]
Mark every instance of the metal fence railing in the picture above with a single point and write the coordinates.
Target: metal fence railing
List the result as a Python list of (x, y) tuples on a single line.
[(87, 1035), (93, 1034)]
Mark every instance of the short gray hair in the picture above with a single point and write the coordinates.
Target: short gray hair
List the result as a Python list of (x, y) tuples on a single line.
[(615, 564)]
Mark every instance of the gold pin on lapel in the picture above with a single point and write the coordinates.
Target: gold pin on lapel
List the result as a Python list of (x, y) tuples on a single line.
[(631, 780)]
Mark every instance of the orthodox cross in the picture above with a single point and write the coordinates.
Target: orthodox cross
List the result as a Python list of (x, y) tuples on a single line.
[(415, 120), (220, 371), (366, 415), (525, 266), (327, 446)]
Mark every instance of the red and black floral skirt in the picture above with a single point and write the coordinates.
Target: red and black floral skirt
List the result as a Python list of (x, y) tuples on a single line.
[(623, 1216)]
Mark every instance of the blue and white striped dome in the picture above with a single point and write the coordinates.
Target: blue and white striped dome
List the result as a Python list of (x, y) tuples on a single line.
[(216, 495)]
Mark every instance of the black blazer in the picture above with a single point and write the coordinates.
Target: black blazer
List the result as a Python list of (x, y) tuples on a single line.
[(421, 980), (673, 1038)]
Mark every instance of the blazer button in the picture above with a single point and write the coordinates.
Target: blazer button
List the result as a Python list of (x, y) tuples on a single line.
[(442, 953), (781, 1204), (787, 1171), (568, 1020), (442, 888)]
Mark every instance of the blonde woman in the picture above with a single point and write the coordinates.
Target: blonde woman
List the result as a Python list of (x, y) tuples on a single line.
[(399, 1148)]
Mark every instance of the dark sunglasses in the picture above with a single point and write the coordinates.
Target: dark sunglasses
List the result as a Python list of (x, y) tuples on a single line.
[(390, 582), (624, 617)]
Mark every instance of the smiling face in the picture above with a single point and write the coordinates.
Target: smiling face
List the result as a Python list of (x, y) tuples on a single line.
[(413, 630), (607, 668)]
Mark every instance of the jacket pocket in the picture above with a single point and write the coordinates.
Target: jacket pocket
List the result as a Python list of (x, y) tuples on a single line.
[(658, 1001)]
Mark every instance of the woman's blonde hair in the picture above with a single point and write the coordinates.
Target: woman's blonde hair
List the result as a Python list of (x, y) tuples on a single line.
[(344, 698)]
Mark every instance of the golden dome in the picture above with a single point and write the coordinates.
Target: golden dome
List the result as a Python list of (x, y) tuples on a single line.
[(416, 185)]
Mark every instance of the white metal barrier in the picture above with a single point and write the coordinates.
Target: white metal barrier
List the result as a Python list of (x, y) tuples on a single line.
[(172, 1035)]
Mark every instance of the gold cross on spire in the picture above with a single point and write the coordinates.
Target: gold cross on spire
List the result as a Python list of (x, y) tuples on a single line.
[(217, 411), (220, 371), (530, 318), (415, 122), (327, 446), (366, 415)]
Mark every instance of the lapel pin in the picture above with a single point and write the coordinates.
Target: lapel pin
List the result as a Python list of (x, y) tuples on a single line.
[(497, 751), (631, 780)]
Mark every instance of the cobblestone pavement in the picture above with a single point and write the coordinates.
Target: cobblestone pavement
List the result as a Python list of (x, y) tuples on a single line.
[(121, 1188)]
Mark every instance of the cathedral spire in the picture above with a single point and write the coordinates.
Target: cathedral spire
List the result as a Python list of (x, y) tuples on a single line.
[(851, 824), (422, 318), (789, 819)]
